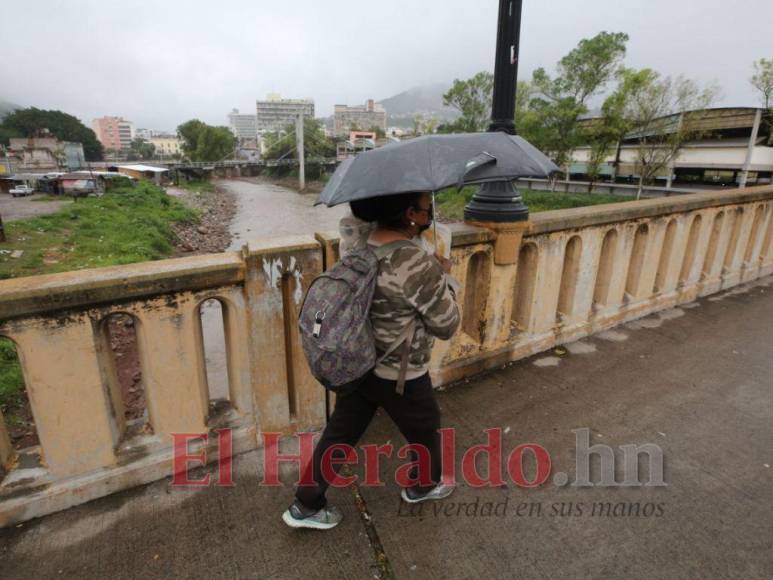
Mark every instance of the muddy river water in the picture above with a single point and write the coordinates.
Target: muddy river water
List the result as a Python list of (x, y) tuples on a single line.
[(263, 210)]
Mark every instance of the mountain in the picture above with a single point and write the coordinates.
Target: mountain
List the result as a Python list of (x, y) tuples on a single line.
[(425, 100), (6, 107)]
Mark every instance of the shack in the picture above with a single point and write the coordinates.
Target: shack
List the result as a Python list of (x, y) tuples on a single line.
[(79, 184), (158, 175)]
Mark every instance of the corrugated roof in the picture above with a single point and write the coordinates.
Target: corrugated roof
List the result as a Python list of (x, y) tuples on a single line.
[(141, 167)]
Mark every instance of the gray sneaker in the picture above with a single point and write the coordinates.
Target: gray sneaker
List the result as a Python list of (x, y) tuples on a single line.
[(324, 519), (440, 491)]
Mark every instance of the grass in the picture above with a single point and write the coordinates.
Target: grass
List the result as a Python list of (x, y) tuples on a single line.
[(49, 197), (11, 381), (129, 224), (451, 202), (196, 186)]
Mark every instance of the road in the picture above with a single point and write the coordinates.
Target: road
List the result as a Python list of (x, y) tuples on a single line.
[(16, 208), (263, 210)]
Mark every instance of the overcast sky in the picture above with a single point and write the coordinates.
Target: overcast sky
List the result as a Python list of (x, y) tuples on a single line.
[(161, 63)]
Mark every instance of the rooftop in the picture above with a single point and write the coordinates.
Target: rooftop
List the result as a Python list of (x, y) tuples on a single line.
[(141, 167)]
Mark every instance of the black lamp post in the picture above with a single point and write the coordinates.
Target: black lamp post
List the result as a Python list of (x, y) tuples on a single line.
[(500, 201)]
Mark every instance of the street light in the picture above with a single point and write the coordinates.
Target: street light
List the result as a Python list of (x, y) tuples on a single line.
[(500, 202)]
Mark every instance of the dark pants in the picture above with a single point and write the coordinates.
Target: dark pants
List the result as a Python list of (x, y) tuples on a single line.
[(416, 414)]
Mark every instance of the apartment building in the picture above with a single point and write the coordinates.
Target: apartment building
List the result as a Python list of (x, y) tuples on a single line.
[(276, 113), (114, 133), (242, 125), (360, 118)]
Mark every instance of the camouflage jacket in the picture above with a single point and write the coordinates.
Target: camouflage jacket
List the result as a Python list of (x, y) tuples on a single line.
[(411, 285)]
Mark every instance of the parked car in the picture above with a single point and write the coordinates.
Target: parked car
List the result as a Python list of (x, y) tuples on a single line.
[(22, 190)]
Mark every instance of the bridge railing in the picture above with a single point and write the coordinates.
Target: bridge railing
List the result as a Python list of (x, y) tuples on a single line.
[(578, 272)]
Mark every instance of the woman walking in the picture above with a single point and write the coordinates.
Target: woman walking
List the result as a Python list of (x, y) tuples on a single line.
[(412, 299)]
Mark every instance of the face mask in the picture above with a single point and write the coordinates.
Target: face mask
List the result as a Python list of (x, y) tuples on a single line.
[(430, 216)]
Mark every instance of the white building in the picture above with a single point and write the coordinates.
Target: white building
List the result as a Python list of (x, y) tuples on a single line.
[(243, 126), (734, 147), (276, 113)]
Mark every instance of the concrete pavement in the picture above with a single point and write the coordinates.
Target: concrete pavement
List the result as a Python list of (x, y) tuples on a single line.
[(695, 381)]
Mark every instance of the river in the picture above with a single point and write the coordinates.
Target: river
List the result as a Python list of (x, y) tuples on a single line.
[(263, 210)]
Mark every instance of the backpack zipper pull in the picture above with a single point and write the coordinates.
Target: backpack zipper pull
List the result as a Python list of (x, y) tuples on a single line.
[(317, 328)]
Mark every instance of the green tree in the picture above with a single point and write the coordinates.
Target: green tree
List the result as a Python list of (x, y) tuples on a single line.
[(762, 80), (141, 149), (418, 123), (30, 122), (561, 100), (663, 114), (282, 145), (380, 133), (605, 133), (202, 142), (526, 122), (472, 98)]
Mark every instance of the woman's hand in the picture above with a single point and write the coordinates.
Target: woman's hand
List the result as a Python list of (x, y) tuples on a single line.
[(445, 263)]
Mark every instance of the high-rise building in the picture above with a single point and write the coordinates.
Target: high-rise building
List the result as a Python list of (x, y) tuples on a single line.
[(243, 126), (362, 118), (276, 113), (114, 133)]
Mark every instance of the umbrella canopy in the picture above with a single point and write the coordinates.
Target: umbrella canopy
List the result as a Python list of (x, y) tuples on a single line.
[(434, 162)]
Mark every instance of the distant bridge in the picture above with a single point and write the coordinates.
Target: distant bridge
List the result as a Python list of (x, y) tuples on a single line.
[(231, 163), (224, 167)]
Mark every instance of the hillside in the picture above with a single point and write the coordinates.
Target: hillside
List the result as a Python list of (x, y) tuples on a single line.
[(426, 100), (6, 107)]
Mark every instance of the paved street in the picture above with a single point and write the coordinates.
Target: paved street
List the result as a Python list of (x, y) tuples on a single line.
[(696, 381)]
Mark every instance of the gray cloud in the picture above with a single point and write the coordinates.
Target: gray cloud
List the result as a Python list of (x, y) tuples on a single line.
[(161, 63)]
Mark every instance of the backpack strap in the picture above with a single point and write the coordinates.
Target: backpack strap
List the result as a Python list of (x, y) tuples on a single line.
[(406, 336), (406, 339), (400, 388)]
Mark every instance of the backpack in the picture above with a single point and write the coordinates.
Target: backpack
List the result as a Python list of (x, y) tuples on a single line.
[(334, 322)]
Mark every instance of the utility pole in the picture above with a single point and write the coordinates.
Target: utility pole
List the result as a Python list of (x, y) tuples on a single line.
[(498, 205), (750, 149), (299, 147)]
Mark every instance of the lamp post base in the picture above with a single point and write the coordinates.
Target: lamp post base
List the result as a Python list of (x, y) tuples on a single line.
[(496, 201), (498, 207)]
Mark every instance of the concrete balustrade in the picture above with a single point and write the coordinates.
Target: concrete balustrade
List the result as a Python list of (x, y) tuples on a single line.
[(578, 271), (584, 270)]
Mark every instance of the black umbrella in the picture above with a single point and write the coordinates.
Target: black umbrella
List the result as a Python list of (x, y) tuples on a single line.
[(435, 162)]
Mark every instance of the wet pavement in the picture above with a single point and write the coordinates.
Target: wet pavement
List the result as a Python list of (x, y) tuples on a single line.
[(694, 381)]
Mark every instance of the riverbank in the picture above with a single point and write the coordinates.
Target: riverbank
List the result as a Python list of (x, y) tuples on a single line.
[(451, 202), (128, 225), (216, 207)]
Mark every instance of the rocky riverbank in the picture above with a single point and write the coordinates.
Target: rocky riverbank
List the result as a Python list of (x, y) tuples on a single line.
[(217, 208)]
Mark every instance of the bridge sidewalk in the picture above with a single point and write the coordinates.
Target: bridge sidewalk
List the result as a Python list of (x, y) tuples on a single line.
[(695, 381)]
